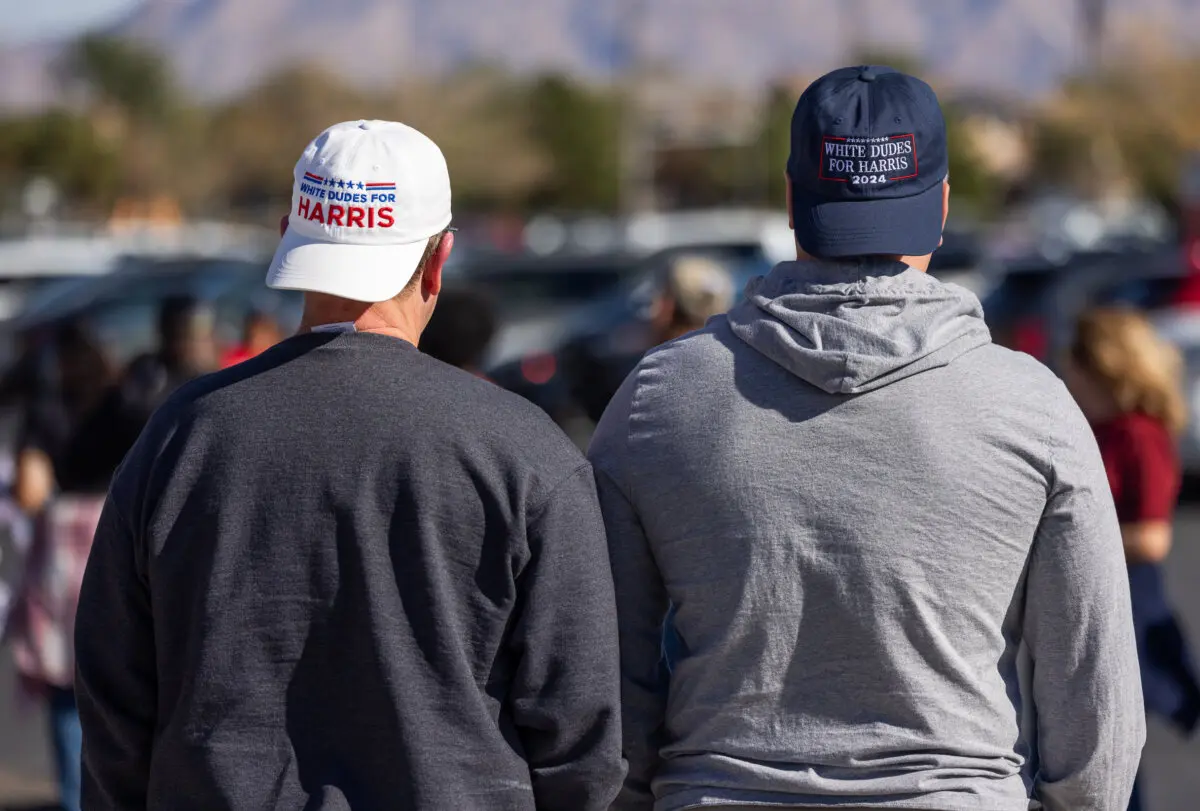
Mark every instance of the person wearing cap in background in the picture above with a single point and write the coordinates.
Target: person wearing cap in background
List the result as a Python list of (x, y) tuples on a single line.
[(689, 290), (693, 290), (343, 574), (895, 564)]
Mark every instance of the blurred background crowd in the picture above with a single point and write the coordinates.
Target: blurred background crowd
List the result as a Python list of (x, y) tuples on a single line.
[(614, 187)]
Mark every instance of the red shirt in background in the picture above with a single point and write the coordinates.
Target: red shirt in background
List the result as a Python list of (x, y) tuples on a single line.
[(235, 356), (1143, 467)]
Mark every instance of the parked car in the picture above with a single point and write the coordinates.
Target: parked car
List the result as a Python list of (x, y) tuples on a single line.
[(122, 307), (1181, 326), (572, 372), (539, 301), (1034, 307), (599, 343), (962, 260), (1035, 310)]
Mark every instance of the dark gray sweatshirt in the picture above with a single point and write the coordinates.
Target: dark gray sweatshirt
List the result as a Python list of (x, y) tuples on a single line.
[(894, 556), (344, 575)]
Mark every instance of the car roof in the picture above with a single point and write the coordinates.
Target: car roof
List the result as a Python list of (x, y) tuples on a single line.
[(484, 264), (183, 275)]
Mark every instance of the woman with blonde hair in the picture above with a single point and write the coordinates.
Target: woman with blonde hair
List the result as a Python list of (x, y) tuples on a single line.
[(1127, 381)]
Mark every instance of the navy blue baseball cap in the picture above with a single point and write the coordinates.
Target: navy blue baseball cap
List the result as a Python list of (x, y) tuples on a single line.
[(867, 164)]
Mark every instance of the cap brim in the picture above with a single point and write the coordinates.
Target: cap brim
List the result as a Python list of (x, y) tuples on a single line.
[(901, 226), (370, 273)]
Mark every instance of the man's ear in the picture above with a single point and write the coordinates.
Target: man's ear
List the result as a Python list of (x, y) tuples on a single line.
[(283, 224), (945, 207), (431, 280)]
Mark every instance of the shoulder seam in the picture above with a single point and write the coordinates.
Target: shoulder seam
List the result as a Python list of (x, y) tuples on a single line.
[(533, 514), (135, 543), (119, 513)]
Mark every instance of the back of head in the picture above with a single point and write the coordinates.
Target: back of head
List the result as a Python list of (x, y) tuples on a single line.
[(187, 344), (175, 317), (84, 369), (868, 164), (699, 289), (461, 329), (1119, 349)]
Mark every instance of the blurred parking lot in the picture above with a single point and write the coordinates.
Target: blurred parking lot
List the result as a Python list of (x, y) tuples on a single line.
[(573, 316), (147, 152)]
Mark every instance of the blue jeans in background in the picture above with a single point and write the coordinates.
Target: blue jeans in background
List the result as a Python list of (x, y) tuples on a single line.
[(67, 740)]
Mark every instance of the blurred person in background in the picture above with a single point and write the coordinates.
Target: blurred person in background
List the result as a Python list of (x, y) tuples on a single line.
[(1127, 381), (689, 290), (25, 386), (461, 330), (259, 334), (866, 514), (343, 574), (187, 348), (692, 290), (65, 508)]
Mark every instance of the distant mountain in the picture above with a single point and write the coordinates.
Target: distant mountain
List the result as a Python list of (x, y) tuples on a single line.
[(222, 46)]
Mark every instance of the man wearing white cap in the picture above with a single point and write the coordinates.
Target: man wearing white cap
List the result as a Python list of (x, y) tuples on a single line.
[(344, 575)]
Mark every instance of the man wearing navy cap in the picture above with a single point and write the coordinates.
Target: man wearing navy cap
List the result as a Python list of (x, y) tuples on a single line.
[(895, 565)]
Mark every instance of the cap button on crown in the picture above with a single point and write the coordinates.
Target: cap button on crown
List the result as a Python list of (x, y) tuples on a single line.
[(867, 75)]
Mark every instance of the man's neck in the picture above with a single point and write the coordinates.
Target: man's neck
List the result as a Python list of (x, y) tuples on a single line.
[(920, 263), (386, 318)]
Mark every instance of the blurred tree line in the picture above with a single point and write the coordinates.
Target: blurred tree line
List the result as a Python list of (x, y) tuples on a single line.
[(1132, 125), (125, 130)]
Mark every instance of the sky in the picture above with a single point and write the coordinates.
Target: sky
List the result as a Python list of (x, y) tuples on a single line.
[(29, 20)]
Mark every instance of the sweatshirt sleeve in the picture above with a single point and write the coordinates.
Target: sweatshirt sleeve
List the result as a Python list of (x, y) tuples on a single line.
[(1079, 629), (642, 604), (565, 698), (115, 670)]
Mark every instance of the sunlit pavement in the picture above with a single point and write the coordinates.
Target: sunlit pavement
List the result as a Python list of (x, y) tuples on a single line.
[(1172, 766)]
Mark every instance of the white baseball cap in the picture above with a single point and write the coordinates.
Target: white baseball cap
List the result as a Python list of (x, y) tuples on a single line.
[(368, 195)]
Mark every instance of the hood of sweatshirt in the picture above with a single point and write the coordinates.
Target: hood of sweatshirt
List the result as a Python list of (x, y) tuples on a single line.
[(853, 328)]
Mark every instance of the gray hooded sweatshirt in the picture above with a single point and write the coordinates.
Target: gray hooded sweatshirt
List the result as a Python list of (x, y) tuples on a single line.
[(893, 554)]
